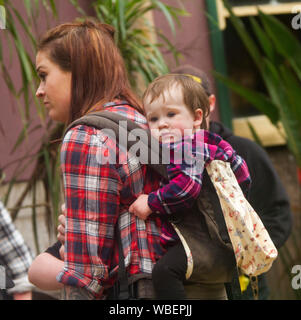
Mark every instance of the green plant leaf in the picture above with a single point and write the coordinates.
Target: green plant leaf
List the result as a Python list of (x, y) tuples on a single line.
[(171, 48), (23, 134), (79, 9), (284, 41), (258, 100), (280, 69), (50, 6), (244, 35), (26, 28), (254, 133), (121, 7), (271, 78), (264, 41), (8, 80), (136, 11), (34, 217), (167, 13), (292, 90), (289, 121)]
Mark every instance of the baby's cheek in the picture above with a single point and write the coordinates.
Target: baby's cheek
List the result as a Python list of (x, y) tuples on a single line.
[(155, 132)]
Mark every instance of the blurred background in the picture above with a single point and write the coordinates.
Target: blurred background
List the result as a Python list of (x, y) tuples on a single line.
[(154, 37)]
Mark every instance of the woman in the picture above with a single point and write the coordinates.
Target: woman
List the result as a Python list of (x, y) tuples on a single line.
[(81, 70)]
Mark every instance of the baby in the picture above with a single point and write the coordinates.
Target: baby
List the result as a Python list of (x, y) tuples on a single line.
[(177, 108)]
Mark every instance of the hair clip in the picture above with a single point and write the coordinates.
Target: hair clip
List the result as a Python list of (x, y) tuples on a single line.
[(197, 79)]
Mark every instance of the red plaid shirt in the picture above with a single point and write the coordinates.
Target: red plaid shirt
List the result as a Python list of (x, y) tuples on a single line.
[(96, 195)]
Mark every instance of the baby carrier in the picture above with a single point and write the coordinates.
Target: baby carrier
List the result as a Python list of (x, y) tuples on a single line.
[(221, 235)]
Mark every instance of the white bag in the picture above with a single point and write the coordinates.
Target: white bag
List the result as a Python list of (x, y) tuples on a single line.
[(253, 247)]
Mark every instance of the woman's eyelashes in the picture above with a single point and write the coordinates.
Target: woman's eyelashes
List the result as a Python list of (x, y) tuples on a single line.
[(42, 76)]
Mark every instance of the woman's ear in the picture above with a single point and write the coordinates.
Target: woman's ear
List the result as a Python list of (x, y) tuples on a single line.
[(198, 118)]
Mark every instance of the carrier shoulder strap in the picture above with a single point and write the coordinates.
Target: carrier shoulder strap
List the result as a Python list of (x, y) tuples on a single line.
[(126, 132), (217, 210)]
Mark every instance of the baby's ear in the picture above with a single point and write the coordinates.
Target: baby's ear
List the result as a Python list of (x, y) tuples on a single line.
[(212, 101), (198, 118)]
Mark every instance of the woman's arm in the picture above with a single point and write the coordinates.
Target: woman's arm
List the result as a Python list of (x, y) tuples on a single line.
[(92, 207), (43, 271)]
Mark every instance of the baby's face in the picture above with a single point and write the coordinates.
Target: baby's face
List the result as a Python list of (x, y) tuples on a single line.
[(168, 117)]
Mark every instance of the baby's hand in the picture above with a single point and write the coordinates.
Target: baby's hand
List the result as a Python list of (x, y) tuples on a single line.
[(140, 207)]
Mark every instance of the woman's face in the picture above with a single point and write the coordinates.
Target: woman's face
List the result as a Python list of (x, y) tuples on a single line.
[(54, 88)]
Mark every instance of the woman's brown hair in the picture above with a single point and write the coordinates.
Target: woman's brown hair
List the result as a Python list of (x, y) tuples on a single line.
[(194, 95), (87, 49)]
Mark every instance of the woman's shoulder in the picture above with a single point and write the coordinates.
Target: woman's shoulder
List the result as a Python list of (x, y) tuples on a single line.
[(82, 134), (127, 111), (85, 139), (79, 130), (94, 136)]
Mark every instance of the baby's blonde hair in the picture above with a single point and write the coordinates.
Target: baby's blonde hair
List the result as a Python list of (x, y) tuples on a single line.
[(194, 95)]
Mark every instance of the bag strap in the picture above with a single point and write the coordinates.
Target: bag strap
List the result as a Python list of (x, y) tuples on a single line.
[(218, 213), (233, 288), (122, 289)]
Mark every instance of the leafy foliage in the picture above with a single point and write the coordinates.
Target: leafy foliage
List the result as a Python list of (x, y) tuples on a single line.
[(136, 36), (277, 55)]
